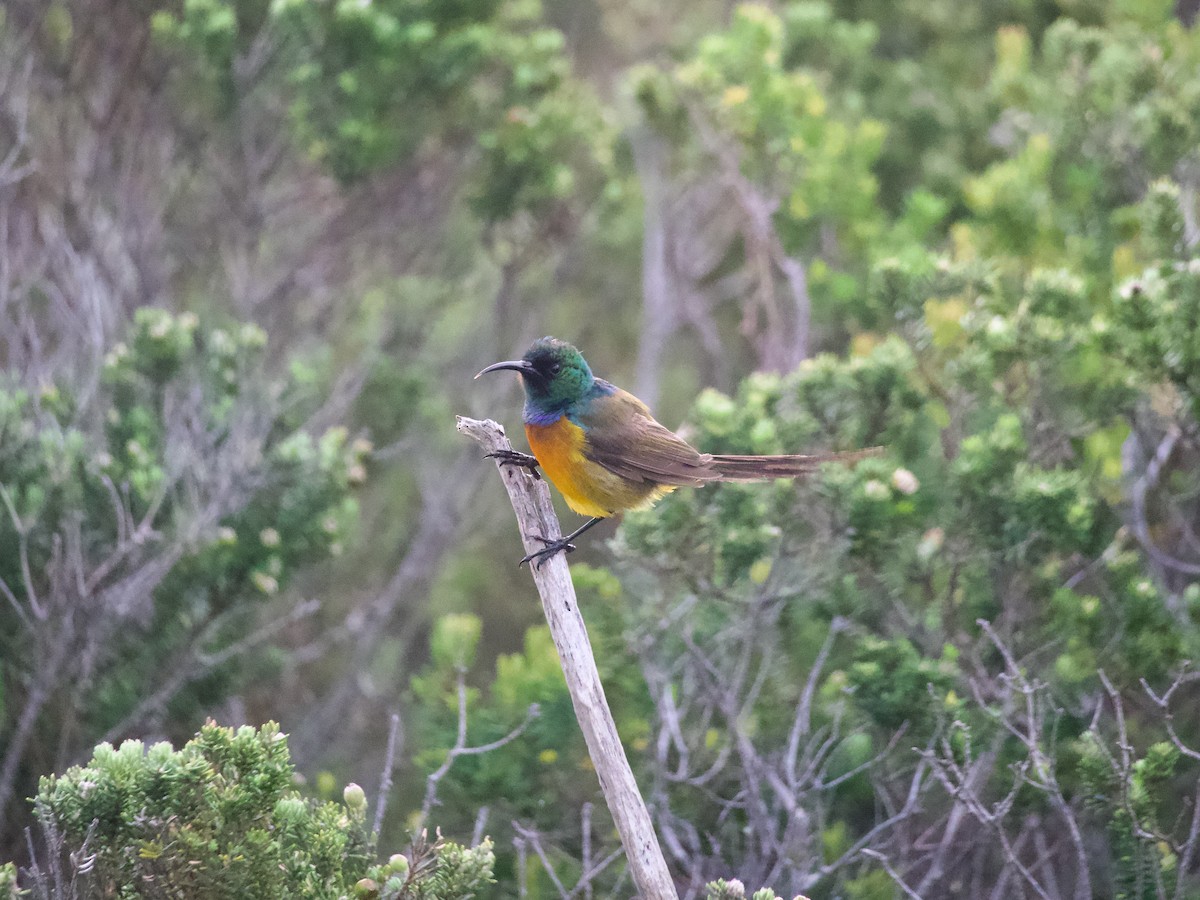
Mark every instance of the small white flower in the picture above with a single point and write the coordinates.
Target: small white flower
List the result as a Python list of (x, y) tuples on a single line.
[(905, 481), (269, 537)]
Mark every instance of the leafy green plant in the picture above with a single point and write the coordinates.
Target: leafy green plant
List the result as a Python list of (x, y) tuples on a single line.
[(189, 492), (438, 869), (735, 890), (963, 232), (378, 86), (219, 817)]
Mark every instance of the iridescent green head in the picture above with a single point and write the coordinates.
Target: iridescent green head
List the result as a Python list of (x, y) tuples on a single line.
[(555, 376)]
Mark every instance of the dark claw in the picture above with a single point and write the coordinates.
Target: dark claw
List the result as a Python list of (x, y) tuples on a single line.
[(552, 547), (514, 458)]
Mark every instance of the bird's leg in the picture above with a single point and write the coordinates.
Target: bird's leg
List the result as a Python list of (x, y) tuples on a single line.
[(554, 545), (514, 458)]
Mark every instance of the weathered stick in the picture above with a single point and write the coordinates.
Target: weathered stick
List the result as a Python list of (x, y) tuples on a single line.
[(535, 515)]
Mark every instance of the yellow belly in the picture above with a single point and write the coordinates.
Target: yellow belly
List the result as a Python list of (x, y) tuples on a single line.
[(589, 488)]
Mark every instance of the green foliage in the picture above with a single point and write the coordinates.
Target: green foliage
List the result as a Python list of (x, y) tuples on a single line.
[(170, 563), (369, 55), (1132, 617), (1091, 120), (735, 890), (782, 116), (1159, 316), (1134, 802), (455, 639), (891, 681), (752, 104), (984, 215), (552, 145), (219, 817), (438, 870), (1000, 406), (376, 85), (542, 756)]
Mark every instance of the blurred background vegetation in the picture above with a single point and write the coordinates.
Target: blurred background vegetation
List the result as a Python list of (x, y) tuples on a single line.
[(251, 253)]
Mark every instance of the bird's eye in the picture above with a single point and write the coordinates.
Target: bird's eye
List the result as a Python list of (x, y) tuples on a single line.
[(555, 368)]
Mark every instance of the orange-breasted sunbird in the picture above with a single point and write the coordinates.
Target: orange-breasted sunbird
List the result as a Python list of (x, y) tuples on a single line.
[(605, 452)]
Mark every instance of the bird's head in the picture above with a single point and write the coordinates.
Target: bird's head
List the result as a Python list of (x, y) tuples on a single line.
[(555, 375)]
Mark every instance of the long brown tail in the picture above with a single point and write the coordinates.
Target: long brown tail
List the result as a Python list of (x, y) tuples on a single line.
[(764, 468)]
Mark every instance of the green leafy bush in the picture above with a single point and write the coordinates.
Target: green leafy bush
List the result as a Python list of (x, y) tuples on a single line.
[(735, 890), (190, 493), (377, 86), (220, 818)]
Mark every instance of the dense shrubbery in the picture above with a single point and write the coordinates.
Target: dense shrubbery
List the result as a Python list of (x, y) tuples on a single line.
[(148, 519), (981, 634), (373, 86), (220, 818), (964, 232)]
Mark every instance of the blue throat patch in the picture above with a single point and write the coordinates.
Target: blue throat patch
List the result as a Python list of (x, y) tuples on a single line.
[(533, 416)]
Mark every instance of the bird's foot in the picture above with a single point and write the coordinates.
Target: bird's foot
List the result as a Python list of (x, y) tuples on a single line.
[(514, 458), (553, 545)]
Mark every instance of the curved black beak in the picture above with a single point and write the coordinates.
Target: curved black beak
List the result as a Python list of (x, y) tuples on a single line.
[(517, 365)]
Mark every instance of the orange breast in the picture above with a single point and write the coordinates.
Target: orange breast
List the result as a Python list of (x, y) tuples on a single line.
[(559, 450), (589, 488)]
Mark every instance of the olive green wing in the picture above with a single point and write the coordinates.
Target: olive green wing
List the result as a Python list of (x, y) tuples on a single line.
[(624, 438)]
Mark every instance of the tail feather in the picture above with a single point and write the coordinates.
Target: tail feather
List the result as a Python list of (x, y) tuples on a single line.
[(765, 468)]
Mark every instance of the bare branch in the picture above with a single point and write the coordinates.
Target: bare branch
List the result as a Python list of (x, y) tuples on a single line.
[(394, 742), (31, 593), (1163, 703), (892, 873), (1138, 492), (461, 748), (533, 839), (535, 515), (803, 720)]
